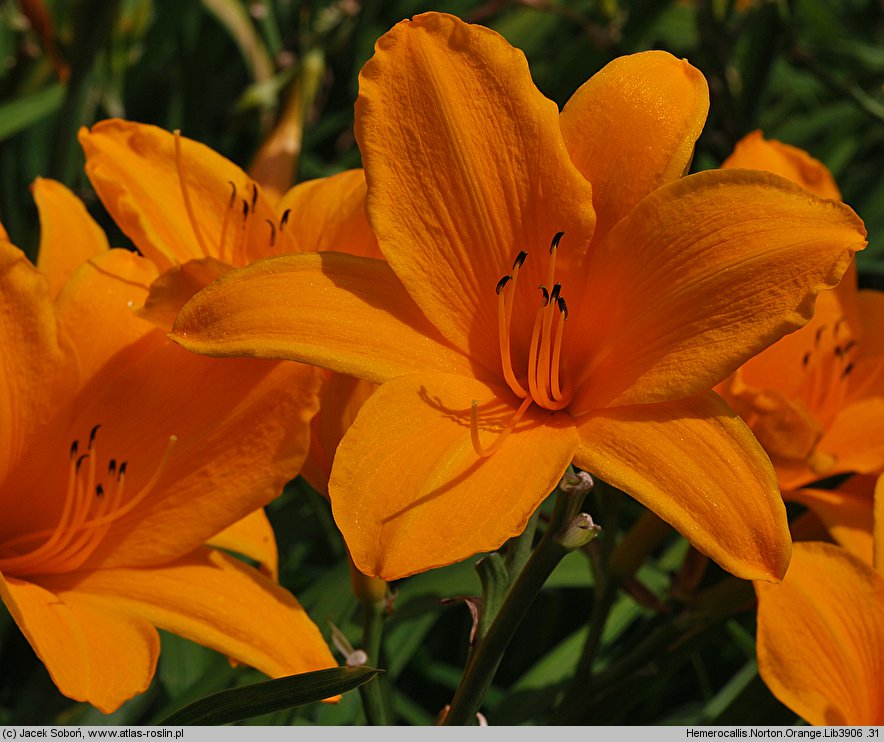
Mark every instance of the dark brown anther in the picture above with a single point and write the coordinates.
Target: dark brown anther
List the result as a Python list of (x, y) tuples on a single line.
[(545, 295), (555, 292), (232, 199), (851, 344), (805, 359), (847, 369), (563, 308), (75, 446), (92, 434), (272, 232), (112, 467), (839, 351), (819, 335), (501, 283), (254, 195), (99, 490), (245, 210), (520, 260), (285, 218), (556, 240), (122, 471), (80, 461)]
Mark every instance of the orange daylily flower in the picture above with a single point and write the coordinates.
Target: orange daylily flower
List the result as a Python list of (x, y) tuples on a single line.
[(821, 632), (815, 400), (121, 457), (197, 215), (659, 288)]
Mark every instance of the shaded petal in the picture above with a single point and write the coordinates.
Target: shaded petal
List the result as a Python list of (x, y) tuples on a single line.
[(847, 516), (855, 440), (696, 465), (466, 166), (631, 128), (702, 274), (345, 313), (215, 600), (754, 152), (820, 643), (94, 651), (176, 287), (329, 214), (134, 171), (68, 235), (409, 492), (252, 537), (340, 401), (36, 371)]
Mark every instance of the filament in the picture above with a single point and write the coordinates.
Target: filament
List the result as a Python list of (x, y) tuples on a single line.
[(188, 206), (504, 434)]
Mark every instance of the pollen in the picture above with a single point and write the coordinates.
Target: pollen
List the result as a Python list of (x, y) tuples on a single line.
[(91, 507)]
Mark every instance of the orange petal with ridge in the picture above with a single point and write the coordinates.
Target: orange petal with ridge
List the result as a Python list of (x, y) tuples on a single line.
[(253, 537), (408, 490), (820, 638), (845, 513), (696, 465), (631, 128)]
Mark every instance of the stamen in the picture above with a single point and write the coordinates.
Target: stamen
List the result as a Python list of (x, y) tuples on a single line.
[(557, 349), (272, 232), (501, 283), (254, 195), (285, 218), (553, 251), (231, 202), (92, 434), (188, 206), (504, 434)]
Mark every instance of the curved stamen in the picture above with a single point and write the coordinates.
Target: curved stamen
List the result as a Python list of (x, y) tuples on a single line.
[(185, 193), (504, 434), (230, 204)]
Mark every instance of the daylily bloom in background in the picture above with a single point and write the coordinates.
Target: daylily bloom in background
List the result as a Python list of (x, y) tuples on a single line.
[(821, 632), (197, 215), (121, 456), (815, 400), (506, 349)]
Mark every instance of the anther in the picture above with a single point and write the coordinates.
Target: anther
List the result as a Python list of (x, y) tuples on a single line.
[(245, 210), (805, 359), (232, 200), (501, 283), (122, 471), (555, 241), (75, 446), (545, 295), (272, 232), (80, 461), (851, 344), (554, 296), (520, 259), (92, 434), (285, 218), (819, 335), (254, 195), (847, 369), (99, 490), (112, 467), (563, 308)]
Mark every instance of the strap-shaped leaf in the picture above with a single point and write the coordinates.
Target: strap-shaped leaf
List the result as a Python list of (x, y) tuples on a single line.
[(237, 704)]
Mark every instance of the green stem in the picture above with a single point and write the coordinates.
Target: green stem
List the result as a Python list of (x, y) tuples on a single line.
[(372, 630), (486, 658), (520, 548)]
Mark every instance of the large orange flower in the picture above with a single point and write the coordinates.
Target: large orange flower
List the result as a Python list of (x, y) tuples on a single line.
[(197, 215), (506, 349), (821, 632), (121, 456), (815, 399)]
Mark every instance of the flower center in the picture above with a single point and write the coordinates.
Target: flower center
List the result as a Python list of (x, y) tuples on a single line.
[(543, 383), (91, 505)]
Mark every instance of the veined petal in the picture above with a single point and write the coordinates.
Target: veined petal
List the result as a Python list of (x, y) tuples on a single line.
[(36, 370), (340, 401), (696, 465), (252, 537), (855, 440), (68, 235), (346, 313), (820, 643), (846, 514), (408, 490), (466, 166), (94, 651), (631, 128), (754, 152), (701, 275), (133, 169), (329, 214), (176, 287), (215, 600)]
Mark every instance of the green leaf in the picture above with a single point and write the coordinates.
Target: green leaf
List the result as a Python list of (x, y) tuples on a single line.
[(237, 704), (19, 114)]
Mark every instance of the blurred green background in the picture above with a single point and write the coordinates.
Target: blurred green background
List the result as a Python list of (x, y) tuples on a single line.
[(807, 72)]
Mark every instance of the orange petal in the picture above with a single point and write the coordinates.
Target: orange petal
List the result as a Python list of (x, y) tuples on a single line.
[(68, 235), (631, 128), (696, 465), (94, 651), (846, 515), (36, 371), (466, 166), (409, 492), (855, 439), (252, 537), (820, 642), (215, 600), (701, 275), (329, 214), (754, 152), (341, 399), (133, 169), (176, 287), (346, 313), (878, 532)]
